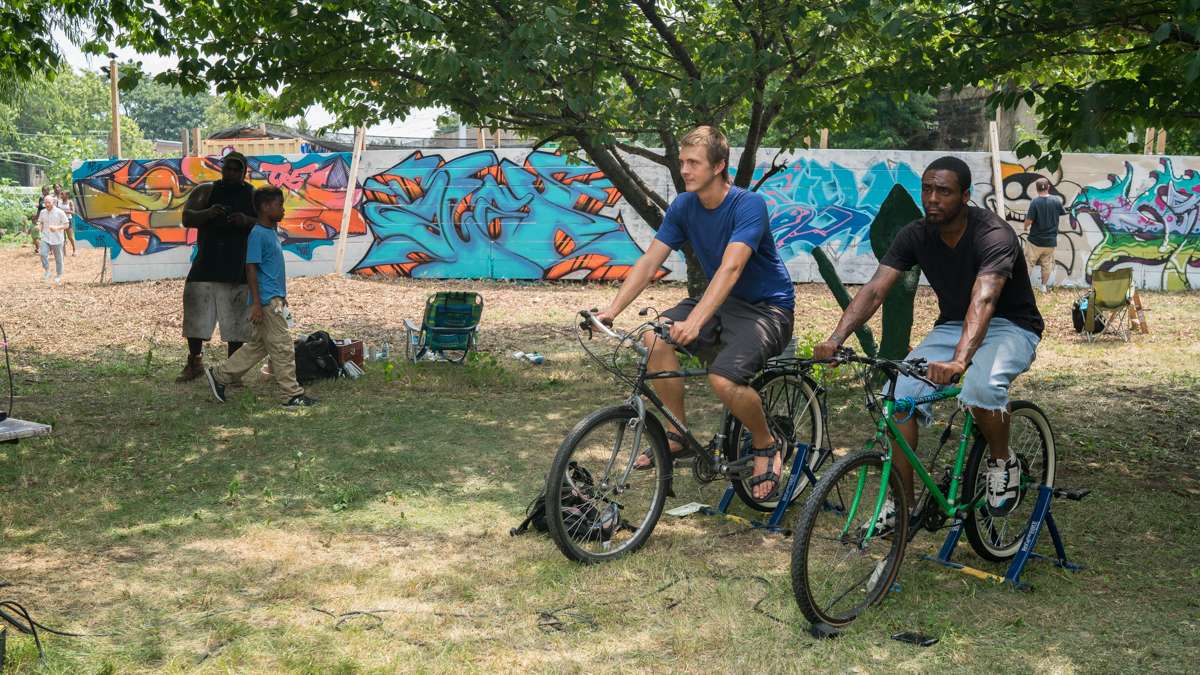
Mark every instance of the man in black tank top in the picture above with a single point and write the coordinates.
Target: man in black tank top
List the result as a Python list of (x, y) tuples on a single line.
[(215, 292)]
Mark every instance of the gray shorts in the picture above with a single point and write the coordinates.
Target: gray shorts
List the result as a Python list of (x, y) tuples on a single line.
[(209, 303), (1007, 351), (737, 341)]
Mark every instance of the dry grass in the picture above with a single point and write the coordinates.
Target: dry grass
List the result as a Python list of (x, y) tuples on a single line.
[(224, 538)]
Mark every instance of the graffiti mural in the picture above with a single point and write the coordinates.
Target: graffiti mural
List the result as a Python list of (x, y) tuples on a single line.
[(1017, 181), (1154, 226), (136, 206), (477, 215), (830, 205), (515, 214)]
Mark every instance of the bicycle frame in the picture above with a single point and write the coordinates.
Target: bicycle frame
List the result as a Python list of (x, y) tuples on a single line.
[(888, 433), (642, 391)]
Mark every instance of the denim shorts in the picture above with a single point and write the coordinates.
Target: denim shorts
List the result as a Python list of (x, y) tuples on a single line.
[(1007, 351)]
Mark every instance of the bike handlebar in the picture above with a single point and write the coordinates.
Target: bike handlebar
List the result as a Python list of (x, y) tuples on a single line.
[(917, 368), (661, 328)]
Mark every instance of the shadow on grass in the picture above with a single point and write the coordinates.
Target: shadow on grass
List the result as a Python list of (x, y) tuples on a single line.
[(134, 453)]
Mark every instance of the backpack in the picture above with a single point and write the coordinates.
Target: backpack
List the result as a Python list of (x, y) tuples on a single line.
[(316, 358), (582, 517), (1079, 317)]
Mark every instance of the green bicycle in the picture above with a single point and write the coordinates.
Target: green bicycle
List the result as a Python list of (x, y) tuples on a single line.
[(849, 545)]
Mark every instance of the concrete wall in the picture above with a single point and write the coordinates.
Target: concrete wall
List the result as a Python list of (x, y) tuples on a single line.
[(519, 215)]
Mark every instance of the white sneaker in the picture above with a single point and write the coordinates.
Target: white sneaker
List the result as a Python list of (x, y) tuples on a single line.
[(885, 523), (46, 276), (1044, 289), (58, 280), (1003, 484)]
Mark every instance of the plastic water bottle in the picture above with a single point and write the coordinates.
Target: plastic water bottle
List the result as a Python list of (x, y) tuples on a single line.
[(532, 357)]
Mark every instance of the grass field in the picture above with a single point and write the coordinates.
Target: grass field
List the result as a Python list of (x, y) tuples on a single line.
[(188, 535)]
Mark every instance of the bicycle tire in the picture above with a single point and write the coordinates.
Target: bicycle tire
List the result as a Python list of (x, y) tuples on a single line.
[(988, 541), (563, 520), (828, 497), (814, 432)]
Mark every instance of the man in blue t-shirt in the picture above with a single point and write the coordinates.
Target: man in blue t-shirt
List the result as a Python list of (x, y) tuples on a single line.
[(744, 316), (269, 312)]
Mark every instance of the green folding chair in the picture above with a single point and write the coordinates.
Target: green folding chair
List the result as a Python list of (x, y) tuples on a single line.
[(449, 330), (1109, 298)]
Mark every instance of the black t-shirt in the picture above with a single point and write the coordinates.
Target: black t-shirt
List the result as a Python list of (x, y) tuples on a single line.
[(989, 246), (221, 245), (1044, 212)]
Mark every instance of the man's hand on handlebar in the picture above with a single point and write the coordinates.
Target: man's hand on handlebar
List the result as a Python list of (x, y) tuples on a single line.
[(946, 372), (684, 333), (605, 317), (826, 350)]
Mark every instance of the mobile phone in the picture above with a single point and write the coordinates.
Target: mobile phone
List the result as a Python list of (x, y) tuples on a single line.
[(915, 639)]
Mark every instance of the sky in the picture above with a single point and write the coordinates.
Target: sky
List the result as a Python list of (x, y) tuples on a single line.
[(421, 123)]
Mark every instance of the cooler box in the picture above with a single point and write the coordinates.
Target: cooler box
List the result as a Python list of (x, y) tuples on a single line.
[(349, 350)]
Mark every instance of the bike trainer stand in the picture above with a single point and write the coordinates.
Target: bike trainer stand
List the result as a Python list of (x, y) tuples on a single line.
[(774, 522), (1041, 515)]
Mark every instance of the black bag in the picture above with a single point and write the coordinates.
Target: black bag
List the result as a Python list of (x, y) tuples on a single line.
[(583, 518), (1079, 317), (316, 358)]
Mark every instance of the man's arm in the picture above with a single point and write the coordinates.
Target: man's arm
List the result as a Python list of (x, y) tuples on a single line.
[(984, 296), (733, 262), (638, 279), (198, 213), (864, 305)]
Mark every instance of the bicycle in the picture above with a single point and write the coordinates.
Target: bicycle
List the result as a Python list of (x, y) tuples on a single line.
[(847, 551), (606, 505)]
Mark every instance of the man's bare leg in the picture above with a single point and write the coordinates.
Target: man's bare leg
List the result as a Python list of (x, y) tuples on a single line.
[(994, 425), (746, 405), (909, 431), (670, 390)]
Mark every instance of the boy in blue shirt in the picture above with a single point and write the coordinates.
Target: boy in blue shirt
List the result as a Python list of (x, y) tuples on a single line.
[(744, 316), (269, 312)]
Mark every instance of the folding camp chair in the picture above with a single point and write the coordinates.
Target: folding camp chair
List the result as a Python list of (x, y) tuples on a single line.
[(449, 330), (1110, 296)]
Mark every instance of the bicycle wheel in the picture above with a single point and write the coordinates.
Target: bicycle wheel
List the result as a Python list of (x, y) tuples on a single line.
[(794, 413), (837, 569), (998, 538), (604, 507)]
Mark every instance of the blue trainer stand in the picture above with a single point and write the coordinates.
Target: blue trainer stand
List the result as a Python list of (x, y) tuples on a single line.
[(1041, 515), (774, 523)]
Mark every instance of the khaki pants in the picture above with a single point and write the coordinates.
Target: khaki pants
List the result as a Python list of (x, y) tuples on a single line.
[(1042, 256), (271, 341)]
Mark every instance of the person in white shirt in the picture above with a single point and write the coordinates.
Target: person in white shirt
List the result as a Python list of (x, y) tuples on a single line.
[(52, 224), (68, 207)]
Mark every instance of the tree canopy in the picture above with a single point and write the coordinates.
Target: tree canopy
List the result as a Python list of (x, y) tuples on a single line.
[(1094, 70)]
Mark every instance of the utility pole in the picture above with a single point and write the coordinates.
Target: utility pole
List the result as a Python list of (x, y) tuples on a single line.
[(114, 137)]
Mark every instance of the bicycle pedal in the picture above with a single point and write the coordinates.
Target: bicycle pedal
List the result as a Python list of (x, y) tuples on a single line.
[(740, 469)]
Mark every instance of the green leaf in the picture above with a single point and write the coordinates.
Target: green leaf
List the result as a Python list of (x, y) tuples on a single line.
[(1164, 31)]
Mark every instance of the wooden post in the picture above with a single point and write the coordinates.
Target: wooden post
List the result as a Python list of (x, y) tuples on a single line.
[(197, 146), (824, 139), (1161, 144), (481, 140), (499, 133), (997, 176), (114, 137), (1148, 146), (360, 135), (183, 136)]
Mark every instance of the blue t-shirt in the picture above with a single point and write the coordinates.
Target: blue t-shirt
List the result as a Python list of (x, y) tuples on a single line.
[(263, 248), (741, 217)]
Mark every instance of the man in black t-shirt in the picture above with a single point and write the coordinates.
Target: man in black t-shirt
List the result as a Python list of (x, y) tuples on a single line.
[(215, 292), (1041, 222), (987, 317)]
